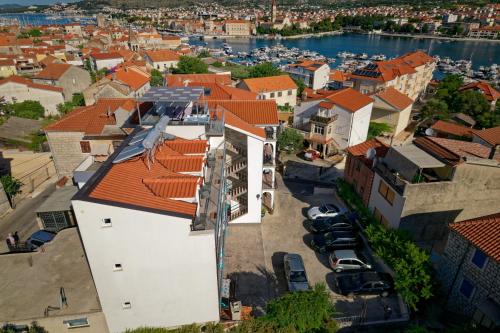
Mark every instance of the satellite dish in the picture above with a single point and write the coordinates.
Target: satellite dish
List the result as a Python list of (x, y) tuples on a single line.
[(429, 132), (371, 153)]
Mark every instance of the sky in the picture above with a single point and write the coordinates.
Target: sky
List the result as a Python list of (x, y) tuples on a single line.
[(31, 2)]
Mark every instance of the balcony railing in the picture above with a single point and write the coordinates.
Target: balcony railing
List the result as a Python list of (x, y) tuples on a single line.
[(391, 177), (323, 120)]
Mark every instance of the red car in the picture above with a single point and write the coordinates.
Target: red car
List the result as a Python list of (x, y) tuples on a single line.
[(311, 155)]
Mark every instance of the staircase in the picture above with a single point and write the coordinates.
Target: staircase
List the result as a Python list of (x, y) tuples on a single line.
[(237, 186), (235, 167)]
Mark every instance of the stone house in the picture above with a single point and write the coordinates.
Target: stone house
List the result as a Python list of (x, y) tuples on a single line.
[(421, 187), (393, 108), (70, 78), (470, 268), (90, 131), (162, 60)]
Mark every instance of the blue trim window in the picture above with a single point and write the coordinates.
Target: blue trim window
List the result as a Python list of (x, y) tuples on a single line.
[(479, 258), (75, 323), (466, 288)]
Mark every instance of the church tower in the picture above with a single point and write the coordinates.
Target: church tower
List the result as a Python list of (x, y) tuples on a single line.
[(273, 11)]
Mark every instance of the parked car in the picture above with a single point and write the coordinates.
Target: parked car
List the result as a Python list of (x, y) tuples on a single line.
[(334, 240), (327, 210), (295, 272), (336, 223), (345, 260), (364, 283), (311, 155), (38, 238)]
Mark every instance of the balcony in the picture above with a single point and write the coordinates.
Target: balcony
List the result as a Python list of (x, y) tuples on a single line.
[(268, 160), (323, 120), (391, 177)]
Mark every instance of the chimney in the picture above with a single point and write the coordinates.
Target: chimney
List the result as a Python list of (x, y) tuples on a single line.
[(109, 113)]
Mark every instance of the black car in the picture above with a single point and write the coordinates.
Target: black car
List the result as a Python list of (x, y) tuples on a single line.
[(364, 283), (337, 223), (334, 240)]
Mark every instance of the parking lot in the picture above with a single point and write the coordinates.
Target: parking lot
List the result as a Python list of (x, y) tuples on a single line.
[(257, 250)]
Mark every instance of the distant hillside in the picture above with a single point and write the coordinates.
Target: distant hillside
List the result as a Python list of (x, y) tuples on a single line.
[(10, 5)]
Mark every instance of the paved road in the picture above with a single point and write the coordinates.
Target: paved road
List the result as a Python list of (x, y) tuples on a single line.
[(23, 218)]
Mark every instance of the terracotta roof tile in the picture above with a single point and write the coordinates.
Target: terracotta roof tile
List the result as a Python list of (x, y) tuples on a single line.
[(53, 71), (104, 56), (310, 65), (490, 93), (162, 55), (173, 187), (178, 80), (233, 120), (92, 119), (490, 135), (270, 83), (395, 98), (181, 163), (361, 148), (254, 112), (482, 232), (451, 128), (134, 78), (29, 83), (349, 99), (453, 151)]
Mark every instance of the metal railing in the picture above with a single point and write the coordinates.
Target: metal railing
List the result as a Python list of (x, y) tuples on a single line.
[(396, 182)]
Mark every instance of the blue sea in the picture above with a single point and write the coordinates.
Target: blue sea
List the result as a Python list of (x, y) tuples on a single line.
[(46, 19)]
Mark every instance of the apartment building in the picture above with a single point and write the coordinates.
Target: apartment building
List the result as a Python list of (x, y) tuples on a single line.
[(71, 79), (90, 132), (489, 32), (315, 74), (335, 121), (409, 74), (393, 108), (490, 93), (469, 270), (237, 27), (20, 89), (175, 183), (422, 186), (280, 88)]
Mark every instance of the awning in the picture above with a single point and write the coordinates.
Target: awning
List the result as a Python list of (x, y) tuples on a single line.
[(59, 200)]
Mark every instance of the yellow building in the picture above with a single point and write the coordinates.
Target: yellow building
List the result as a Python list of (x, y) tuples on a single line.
[(237, 28)]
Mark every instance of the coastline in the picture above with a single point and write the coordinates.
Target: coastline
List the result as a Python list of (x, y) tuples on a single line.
[(459, 39)]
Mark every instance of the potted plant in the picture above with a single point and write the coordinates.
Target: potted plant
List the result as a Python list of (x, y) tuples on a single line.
[(263, 211)]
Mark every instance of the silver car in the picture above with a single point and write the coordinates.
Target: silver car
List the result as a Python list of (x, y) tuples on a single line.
[(327, 210), (345, 260), (295, 272)]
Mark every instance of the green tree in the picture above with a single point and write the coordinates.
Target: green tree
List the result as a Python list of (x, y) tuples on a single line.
[(377, 129), (306, 311), (435, 108), (204, 54), (300, 86), (11, 186), (156, 78), (67, 107), (263, 70), (190, 65), (290, 140), (27, 109), (474, 104)]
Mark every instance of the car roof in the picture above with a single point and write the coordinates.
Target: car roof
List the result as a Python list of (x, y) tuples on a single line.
[(295, 261), (345, 254), (43, 235)]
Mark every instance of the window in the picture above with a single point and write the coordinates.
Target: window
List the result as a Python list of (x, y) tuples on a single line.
[(272, 95), (126, 305), (380, 218), (74, 323), (289, 93), (386, 192), (106, 222), (117, 267), (85, 145), (479, 258), (466, 288), (280, 94), (319, 129)]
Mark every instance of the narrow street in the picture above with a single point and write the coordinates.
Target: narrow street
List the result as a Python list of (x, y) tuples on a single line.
[(23, 219)]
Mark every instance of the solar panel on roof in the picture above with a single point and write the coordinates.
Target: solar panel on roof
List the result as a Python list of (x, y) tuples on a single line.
[(129, 152), (139, 137)]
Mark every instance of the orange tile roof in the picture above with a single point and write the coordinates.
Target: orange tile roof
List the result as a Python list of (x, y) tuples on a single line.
[(233, 120), (361, 148), (452, 151), (490, 135), (156, 187), (254, 112), (451, 128), (310, 65), (339, 76), (177, 80), (132, 77), (395, 98), (270, 83), (53, 71), (349, 99), (483, 232), (162, 55), (29, 83), (490, 93), (104, 56), (92, 119), (216, 91)]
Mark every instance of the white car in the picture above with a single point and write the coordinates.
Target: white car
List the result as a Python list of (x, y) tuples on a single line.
[(327, 210)]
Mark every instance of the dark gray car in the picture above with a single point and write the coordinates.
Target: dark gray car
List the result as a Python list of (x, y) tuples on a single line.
[(295, 272)]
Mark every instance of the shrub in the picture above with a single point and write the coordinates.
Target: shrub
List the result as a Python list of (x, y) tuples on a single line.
[(290, 140)]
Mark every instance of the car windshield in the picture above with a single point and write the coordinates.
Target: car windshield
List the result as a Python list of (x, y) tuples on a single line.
[(323, 209), (298, 276)]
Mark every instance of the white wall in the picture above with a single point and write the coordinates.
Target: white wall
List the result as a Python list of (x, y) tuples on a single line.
[(186, 132), (48, 99), (360, 124), (255, 150), (391, 212), (282, 100), (169, 273), (107, 63), (321, 77), (403, 120)]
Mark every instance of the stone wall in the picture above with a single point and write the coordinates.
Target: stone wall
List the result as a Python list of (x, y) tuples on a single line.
[(361, 179), (456, 265), (66, 151)]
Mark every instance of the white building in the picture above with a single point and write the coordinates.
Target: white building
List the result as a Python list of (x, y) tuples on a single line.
[(162, 59), (152, 221), (19, 89), (315, 74), (280, 88), (106, 60)]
